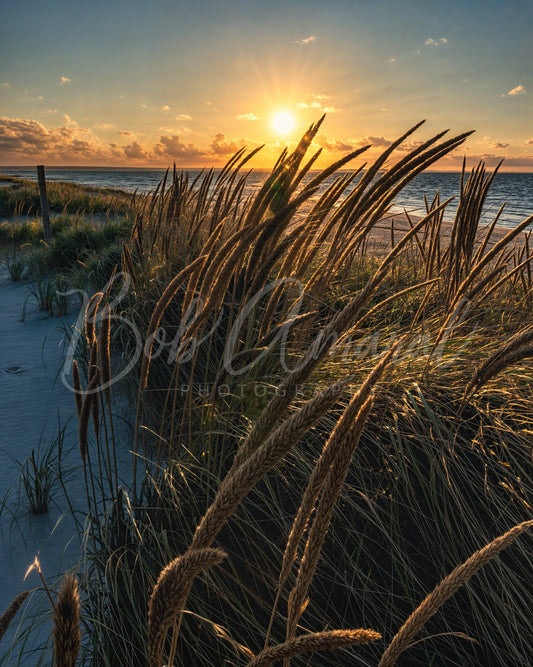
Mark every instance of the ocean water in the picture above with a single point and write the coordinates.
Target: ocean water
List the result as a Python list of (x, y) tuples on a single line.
[(515, 189)]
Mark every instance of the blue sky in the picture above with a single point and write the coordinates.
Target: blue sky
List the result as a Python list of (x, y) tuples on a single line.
[(149, 83)]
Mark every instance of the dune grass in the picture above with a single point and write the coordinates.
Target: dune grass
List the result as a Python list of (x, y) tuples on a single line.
[(88, 227), (321, 435), (22, 198)]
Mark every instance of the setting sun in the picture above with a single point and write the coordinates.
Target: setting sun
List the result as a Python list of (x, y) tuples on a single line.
[(283, 123)]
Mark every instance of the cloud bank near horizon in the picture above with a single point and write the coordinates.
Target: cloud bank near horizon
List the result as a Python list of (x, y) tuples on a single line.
[(24, 141)]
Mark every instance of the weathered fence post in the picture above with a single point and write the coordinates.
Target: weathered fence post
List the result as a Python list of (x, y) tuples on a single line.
[(44, 203)]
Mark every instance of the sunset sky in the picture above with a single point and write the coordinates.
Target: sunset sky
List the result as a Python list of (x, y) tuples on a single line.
[(148, 83)]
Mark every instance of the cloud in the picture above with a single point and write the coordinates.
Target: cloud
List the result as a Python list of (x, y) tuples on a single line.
[(491, 160), (220, 146), (529, 142), (125, 133), (70, 121), (22, 139), (21, 135), (166, 129), (6, 85), (335, 145), (382, 142), (183, 116), (315, 102), (104, 126), (247, 116), (173, 147), (308, 105), (115, 151), (392, 60), (51, 111), (64, 80), (376, 142), (436, 42), (518, 90), (498, 144), (135, 151), (165, 107), (306, 40)]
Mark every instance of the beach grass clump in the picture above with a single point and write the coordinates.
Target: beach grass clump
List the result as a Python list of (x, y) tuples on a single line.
[(82, 255), (321, 432), (39, 473), (70, 249), (15, 264), (22, 198), (20, 232), (86, 235)]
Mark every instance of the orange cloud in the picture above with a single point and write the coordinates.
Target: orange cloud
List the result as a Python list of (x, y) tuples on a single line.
[(221, 147), (335, 145), (172, 147), (518, 90), (315, 101), (25, 140), (135, 151)]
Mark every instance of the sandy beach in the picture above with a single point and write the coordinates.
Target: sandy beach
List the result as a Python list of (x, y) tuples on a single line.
[(397, 225)]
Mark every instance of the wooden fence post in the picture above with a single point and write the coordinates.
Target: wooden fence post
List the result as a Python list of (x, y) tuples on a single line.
[(44, 204)]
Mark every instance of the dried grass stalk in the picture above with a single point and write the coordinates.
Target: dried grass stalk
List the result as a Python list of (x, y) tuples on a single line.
[(90, 317), (86, 410), (127, 264), (518, 347), (238, 482), (76, 385), (170, 593), (159, 310), (319, 641), (104, 351), (458, 302), (330, 494), (447, 587), (10, 612), (66, 631), (322, 468)]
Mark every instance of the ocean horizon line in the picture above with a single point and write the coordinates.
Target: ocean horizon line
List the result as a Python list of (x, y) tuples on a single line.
[(28, 167)]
